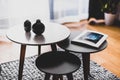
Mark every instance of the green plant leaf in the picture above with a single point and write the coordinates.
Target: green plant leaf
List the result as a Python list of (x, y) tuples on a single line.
[(106, 6)]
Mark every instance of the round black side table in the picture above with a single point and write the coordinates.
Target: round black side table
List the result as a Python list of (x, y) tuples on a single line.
[(82, 49), (58, 63)]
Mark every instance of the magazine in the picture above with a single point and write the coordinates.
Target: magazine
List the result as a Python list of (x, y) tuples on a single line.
[(91, 38)]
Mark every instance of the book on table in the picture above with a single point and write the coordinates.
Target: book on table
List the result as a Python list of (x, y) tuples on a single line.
[(90, 38)]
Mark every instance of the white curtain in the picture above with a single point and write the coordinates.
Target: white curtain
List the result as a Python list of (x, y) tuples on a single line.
[(13, 12), (65, 8), (17, 11), (3, 13), (70, 10), (3, 9)]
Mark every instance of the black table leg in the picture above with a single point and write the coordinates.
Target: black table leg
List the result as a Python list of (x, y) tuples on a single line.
[(0, 69), (61, 77), (55, 77), (70, 76), (47, 76), (86, 65), (54, 47), (39, 50), (21, 63)]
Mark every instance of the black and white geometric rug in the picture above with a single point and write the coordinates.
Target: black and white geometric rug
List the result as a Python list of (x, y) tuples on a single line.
[(30, 72)]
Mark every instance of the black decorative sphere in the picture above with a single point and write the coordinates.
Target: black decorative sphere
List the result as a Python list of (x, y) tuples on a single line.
[(27, 26), (38, 27)]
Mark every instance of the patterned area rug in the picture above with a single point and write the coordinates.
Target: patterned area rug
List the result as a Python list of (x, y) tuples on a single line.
[(30, 72)]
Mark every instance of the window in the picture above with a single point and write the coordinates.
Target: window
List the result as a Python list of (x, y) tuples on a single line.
[(15, 12), (69, 9)]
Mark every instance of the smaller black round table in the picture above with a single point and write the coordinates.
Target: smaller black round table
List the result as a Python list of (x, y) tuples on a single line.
[(58, 63), (82, 49)]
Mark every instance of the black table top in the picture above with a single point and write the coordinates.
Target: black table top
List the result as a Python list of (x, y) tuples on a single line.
[(67, 45), (58, 62)]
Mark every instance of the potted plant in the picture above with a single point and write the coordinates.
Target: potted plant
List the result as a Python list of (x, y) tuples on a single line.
[(110, 9)]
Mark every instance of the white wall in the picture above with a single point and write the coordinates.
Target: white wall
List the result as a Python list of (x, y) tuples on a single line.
[(19, 10)]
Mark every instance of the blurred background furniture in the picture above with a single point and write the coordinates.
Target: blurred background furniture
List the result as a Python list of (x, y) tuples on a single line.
[(94, 9)]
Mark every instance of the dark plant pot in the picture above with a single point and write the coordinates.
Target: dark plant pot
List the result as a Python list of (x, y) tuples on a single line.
[(27, 26), (38, 27)]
